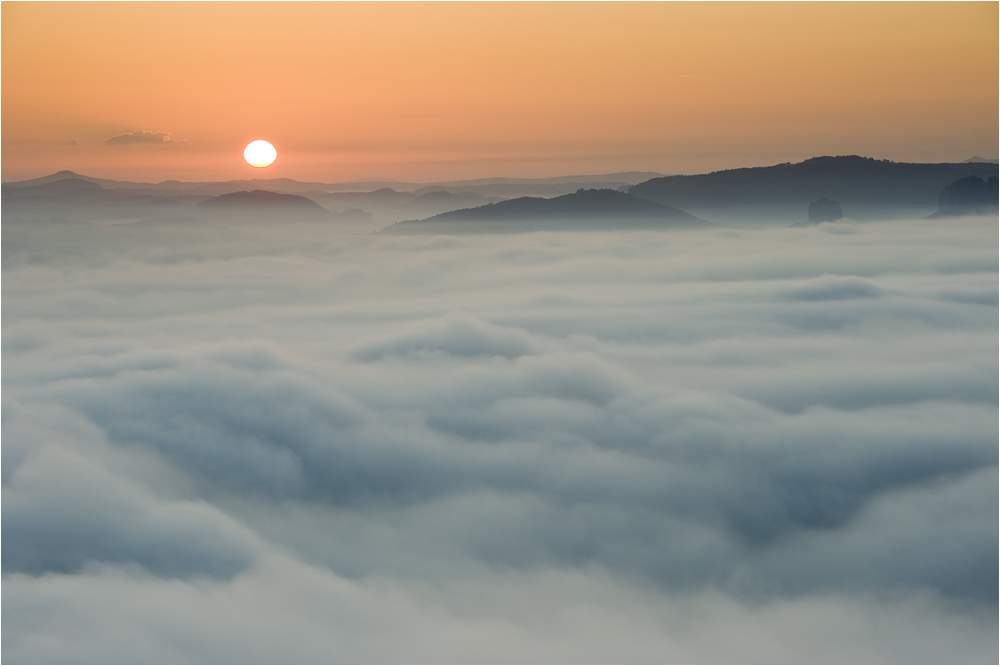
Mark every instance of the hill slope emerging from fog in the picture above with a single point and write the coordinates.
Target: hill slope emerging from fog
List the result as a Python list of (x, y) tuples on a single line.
[(862, 185), (582, 210)]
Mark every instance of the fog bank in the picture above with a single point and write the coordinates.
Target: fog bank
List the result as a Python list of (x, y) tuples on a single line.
[(289, 444)]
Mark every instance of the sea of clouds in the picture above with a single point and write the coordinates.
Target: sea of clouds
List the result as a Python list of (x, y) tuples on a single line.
[(228, 443)]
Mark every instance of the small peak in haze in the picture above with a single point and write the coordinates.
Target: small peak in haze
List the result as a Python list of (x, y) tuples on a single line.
[(264, 203)]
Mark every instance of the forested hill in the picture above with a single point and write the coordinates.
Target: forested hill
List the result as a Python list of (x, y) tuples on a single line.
[(852, 180)]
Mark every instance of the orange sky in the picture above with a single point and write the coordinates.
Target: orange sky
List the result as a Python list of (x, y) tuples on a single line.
[(434, 91)]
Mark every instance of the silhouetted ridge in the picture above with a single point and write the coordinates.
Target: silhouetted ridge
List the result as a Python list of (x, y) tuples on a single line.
[(584, 204), (584, 209), (850, 179), (841, 160)]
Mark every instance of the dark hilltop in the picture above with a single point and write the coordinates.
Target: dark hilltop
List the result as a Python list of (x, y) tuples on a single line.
[(264, 203), (969, 196)]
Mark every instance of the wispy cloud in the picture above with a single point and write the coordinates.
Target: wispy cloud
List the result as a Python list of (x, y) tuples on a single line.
[(143, 136)]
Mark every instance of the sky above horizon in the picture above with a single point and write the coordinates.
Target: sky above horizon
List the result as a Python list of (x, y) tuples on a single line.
[(429, 91)]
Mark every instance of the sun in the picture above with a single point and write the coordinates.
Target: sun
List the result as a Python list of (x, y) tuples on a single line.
[(259, 153)]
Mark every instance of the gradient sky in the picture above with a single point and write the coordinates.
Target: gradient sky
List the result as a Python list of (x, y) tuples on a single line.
[(429, 91)]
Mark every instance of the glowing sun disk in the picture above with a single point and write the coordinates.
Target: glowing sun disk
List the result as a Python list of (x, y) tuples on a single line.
[(259, 153)]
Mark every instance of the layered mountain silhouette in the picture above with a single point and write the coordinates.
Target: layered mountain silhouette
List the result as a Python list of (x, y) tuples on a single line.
[(81, 198), (780, 194), (373, 202), (62, 186), (866, 188), (582, 210), (392, 206)]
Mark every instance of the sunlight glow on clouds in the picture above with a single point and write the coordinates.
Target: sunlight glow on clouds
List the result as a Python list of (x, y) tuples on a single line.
[(142, 136)]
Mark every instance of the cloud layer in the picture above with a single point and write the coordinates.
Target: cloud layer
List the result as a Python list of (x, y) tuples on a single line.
[(285, 445), (142, 136)]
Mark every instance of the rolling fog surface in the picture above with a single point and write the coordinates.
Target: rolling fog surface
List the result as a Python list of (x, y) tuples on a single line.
[(279, 444)]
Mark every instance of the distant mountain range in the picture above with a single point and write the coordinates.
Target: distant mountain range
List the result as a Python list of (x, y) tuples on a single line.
[(582, 210), (777, 195), (483, 186), (378, 202)]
